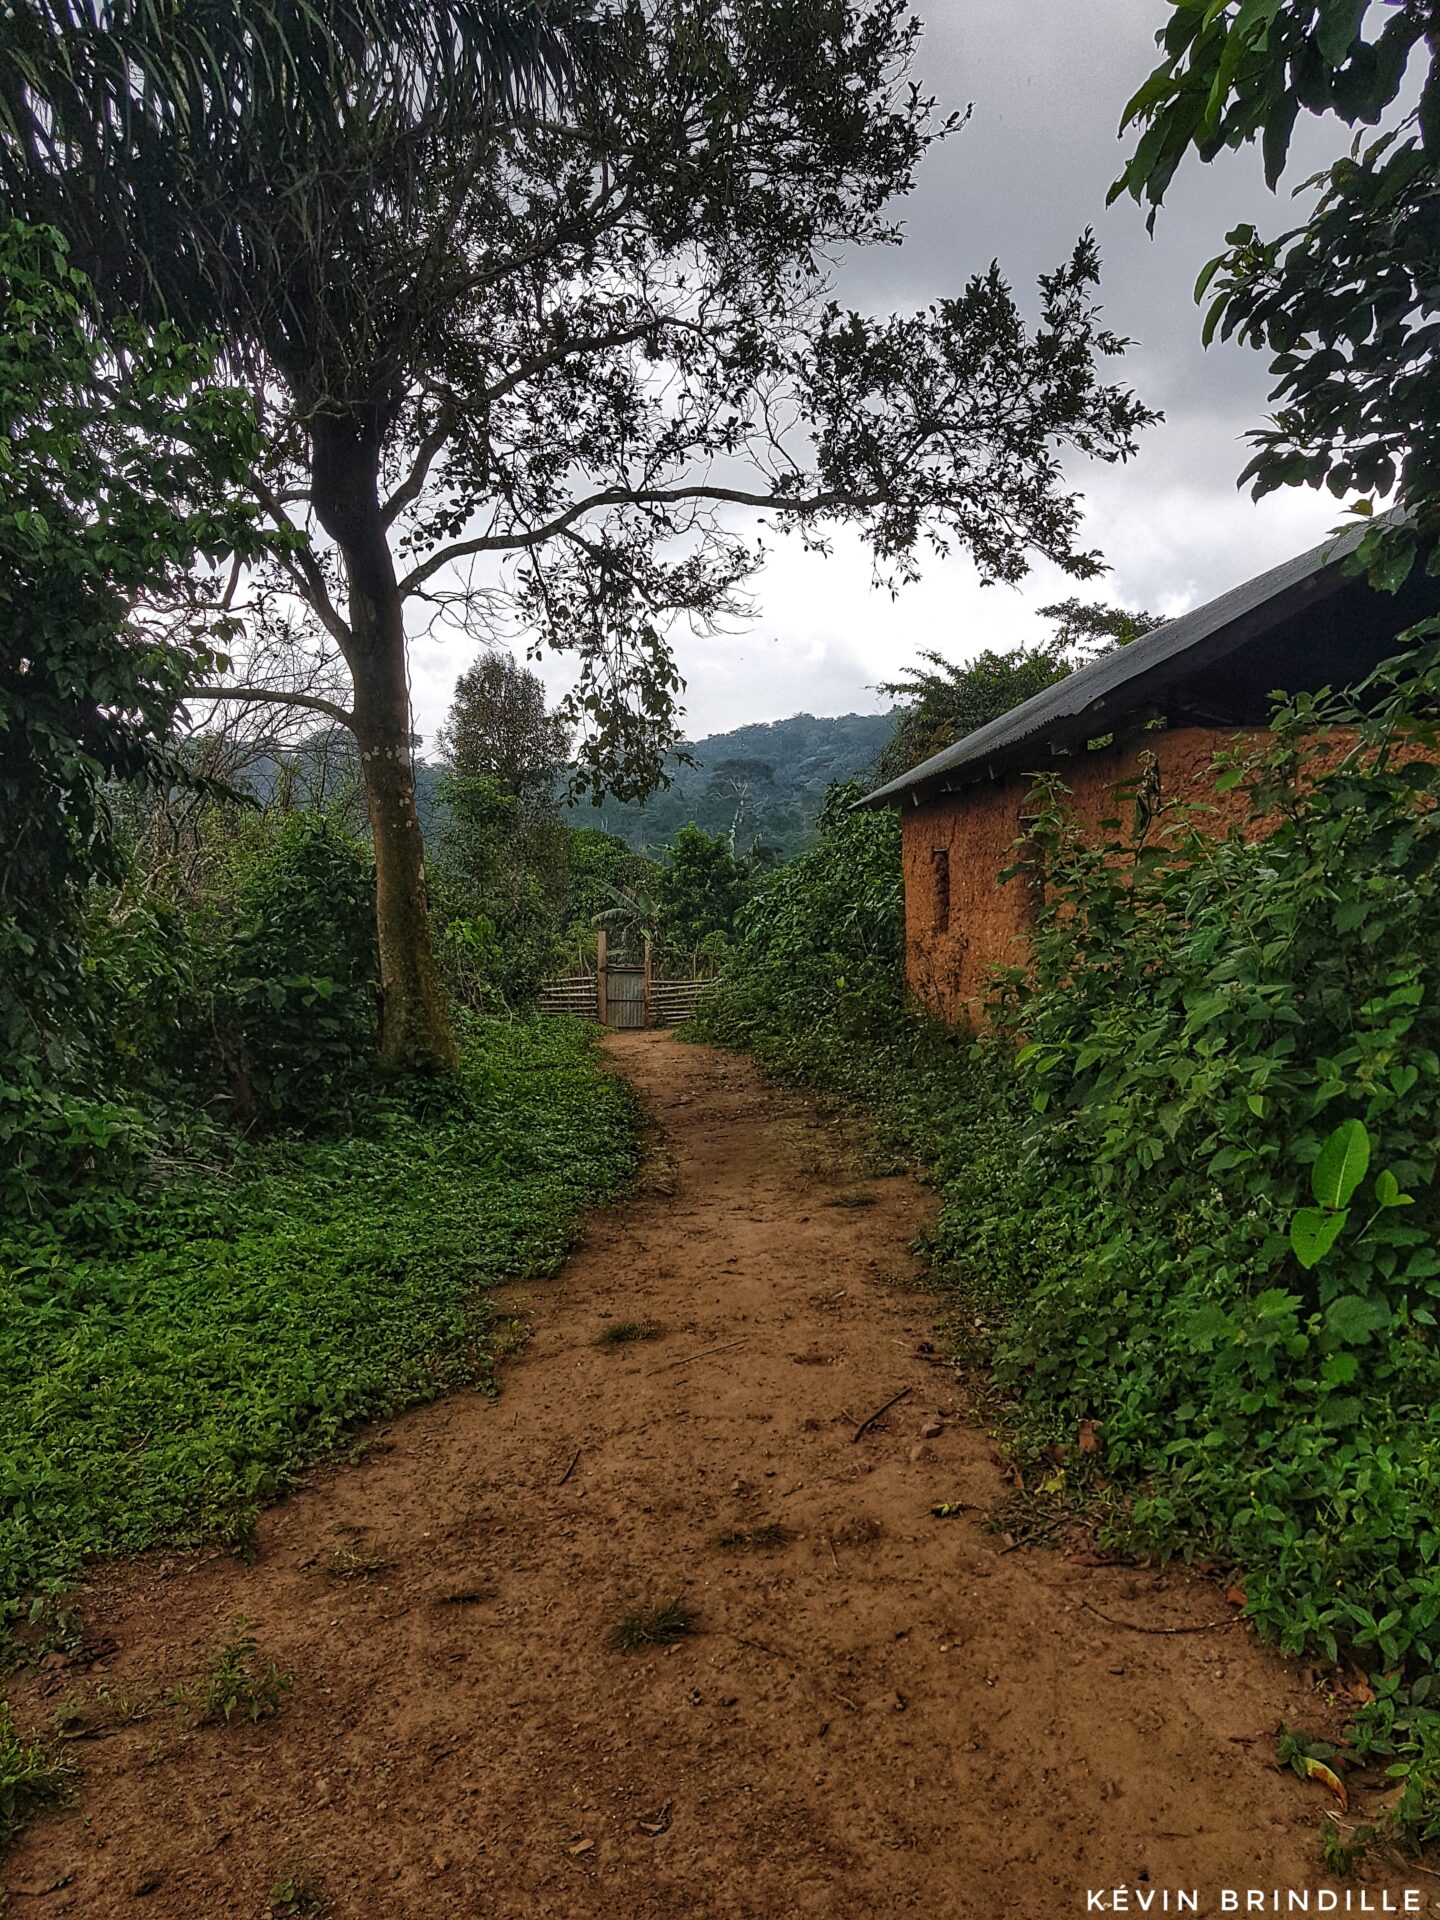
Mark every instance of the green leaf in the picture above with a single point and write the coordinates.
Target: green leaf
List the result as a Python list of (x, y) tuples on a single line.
[(1354, 1318), (1313, 1233), (1387, 1191), (1339, 1369), (1339, 24), (1341, 1165)]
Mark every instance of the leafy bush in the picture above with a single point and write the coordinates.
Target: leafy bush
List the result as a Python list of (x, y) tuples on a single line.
[(499, 880), (295, 994), (1205, 1014), (819, 946), (701, 889), (120, 464), (155, 1386)]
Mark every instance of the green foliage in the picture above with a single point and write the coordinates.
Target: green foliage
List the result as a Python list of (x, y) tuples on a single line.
[(620, 1333), (943, 701), (790, 765), (501, 873), (118, 465), (299, 1896), (1188, 1182), (644, 1628), (32, 1777), (237, 1685), (295, 997), (158, 1382), (499, 729), (819, 947), (702, 887), (602, 868), (1346, 304), (1214, 1039)]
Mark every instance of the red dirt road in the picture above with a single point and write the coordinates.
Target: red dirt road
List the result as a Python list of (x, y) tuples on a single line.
[(881, 1714)]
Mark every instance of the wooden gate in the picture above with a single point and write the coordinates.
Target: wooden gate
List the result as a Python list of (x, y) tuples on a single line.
[(623, 994), (625, 997)]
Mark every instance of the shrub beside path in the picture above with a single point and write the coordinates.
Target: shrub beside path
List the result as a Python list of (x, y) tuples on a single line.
[(876, 1712)]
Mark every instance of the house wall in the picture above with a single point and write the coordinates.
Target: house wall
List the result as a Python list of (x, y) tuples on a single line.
[(948, 966)]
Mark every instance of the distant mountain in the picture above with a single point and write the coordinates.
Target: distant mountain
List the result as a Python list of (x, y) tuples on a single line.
[(767, 782)]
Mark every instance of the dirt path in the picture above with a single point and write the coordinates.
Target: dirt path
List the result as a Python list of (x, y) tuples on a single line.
[(882, 1714)]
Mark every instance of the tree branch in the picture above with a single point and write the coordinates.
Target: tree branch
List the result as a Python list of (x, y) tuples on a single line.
[(277, 697), (302, 566), (630, 497), (413, 485)]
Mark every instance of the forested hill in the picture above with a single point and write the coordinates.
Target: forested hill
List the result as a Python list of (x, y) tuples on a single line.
[(767, 781)]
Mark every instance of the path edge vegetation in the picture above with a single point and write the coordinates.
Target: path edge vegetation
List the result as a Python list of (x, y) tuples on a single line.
[(1179, 1217), (177, 1362)]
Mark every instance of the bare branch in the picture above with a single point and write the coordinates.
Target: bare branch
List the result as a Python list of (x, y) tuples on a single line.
[(531, 537), (429, 450), (303, 568), (278, 697)]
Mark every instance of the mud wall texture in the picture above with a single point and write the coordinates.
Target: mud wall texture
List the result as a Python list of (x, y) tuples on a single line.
[(960, 921)]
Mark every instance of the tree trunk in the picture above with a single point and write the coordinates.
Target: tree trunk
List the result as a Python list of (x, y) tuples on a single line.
[(415, 1032)]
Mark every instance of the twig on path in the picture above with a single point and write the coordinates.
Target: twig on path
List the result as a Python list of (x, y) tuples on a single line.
[(575, 1461), (831, 1544), (703, 1354), (870, 1419), (1208, 1626), (1042, 1533)]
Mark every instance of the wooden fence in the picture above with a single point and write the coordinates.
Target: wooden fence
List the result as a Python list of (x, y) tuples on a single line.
[(622, 994)]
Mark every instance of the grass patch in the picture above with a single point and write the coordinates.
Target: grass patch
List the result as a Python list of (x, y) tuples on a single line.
[(33, 1776), (646, 1627), (163, 1374), (850, 1200), (351, 1561), (620, 1333)]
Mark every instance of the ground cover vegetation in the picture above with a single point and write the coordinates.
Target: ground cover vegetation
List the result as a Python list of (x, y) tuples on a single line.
[(173, 1353), (224, 1237)]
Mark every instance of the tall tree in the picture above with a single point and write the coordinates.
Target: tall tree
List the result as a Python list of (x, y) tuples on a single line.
[(702, 887), (516, 371), (1347, 303), (500, 729), (240, 168)]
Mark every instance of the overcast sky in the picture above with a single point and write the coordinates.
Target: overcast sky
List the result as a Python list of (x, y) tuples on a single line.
[(1047, 80)]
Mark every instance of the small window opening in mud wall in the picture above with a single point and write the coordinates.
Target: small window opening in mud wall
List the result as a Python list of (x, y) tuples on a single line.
[(940, 891)]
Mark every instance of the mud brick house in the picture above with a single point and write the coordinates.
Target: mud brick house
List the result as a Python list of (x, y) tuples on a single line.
[(1179, 693)]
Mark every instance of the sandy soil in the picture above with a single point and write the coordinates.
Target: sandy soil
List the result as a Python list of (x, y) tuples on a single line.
[(884, 1713)]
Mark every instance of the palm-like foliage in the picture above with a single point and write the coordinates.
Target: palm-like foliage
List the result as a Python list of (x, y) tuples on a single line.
[(172, 133), (631, 913)]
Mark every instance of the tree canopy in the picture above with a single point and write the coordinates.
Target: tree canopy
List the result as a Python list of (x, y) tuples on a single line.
[(1346, 303), (517, 368), (943, 700), (119, 463), (499, 728)]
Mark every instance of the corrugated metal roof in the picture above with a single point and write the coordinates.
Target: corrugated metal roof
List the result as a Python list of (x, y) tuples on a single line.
[(1093, 698)]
